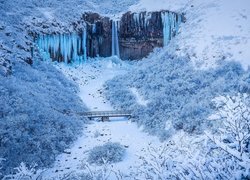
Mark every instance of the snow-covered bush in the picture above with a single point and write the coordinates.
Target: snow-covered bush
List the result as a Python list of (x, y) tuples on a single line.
[(176, 92), (245, 83), (1, 165), (88, 172), (234, 114), (233, 136), (24, 173), (5, 66), (38, 117), (107, 153), (188, 160)]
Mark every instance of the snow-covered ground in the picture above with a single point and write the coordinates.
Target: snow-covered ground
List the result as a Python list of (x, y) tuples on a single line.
[(90, 78)]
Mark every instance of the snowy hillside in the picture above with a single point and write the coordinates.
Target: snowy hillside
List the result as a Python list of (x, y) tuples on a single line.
[(214, 30)]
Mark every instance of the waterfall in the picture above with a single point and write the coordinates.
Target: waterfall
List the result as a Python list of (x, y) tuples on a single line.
[(171, 22), (67, 48), (115, 41)]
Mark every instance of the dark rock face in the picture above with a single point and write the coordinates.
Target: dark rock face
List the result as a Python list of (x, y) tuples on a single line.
[(99, 33), (139, 34)]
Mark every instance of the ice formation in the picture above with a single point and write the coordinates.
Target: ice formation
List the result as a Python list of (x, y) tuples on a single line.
[(74, 48), (68, 48), (84, 45), (115, 41), (147, 18), (136, 17), (171, 22)]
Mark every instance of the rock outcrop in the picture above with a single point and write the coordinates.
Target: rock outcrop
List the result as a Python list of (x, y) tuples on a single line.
[(139, 34), (99, 33)]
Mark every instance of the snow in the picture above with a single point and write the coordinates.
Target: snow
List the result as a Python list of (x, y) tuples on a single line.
[(47, 12), (90, 77), (214, 30), (139, 98)]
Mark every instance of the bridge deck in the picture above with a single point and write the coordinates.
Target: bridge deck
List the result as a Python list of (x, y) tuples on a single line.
[(96, 114)]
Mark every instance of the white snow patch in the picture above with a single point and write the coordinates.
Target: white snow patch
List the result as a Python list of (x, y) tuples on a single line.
[(47, 12), (139, 98)]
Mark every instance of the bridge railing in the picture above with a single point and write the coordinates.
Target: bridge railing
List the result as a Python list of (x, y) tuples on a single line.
[(107, 113)]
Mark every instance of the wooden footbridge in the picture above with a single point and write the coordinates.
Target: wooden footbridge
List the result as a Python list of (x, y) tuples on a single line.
[(105, 115)]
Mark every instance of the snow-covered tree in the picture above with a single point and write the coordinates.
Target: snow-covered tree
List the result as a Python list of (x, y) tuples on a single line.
[(1, 166), (233, 136), (23, 172)]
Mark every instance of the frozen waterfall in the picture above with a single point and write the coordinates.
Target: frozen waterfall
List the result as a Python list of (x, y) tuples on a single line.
[(68, 48), (115, 41), (171, 22), (133, 36)]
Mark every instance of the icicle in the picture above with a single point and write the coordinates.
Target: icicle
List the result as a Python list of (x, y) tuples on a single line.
[(166, 27), (94, 28), (65, 49), (74, 48), (84, 44), (136, 18), (147, 18), (171, 22), (179, 20), (69, 46), (57, 45), (115, 41)]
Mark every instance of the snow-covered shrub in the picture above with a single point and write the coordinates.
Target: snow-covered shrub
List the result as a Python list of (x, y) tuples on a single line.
[(88, 172), (5, 66), (233, 136), (107, 153), (176, 92), (188, 160), (24, 173), (38, 117), (245, 83), (1, 164)]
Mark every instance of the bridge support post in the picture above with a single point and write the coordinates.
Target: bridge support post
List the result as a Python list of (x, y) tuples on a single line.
[(105, 118)]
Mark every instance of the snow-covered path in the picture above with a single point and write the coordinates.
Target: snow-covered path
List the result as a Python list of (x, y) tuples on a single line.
[(90, 79)]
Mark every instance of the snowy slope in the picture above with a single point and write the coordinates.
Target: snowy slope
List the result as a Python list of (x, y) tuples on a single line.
[(214, 30)]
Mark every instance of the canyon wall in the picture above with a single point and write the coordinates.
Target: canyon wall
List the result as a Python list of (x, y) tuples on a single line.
[(132, 37)]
